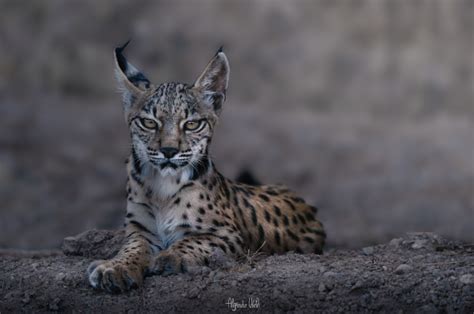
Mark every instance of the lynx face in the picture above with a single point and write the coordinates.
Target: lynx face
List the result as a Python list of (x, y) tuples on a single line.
[(171, 125)]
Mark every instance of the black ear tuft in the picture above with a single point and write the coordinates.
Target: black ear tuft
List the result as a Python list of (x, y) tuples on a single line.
[(122, 48), (221, 49), (122, 62), (132, 74)]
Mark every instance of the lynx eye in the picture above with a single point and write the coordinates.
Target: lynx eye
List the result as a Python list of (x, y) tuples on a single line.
[(148, 123), (192, 125)]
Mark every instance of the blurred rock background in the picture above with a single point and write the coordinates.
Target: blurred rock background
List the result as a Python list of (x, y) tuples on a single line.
[(366, 108)]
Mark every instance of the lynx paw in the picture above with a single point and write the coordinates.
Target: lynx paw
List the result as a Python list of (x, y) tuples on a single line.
[(167, 263), (114, 276)]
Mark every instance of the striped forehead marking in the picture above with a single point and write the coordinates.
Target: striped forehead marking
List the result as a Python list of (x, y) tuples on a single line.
[(171, 98)]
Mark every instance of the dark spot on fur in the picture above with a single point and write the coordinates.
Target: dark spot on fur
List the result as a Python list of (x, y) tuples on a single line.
[(223, 247), (295, 220), (292, 235), (231, 247), (297, 199), (261, 235), (186, 186), (254, 215), (290, 204), (277, 237), (301, 218), (309, 216), (275, 222), (277, 210), (267, 216)]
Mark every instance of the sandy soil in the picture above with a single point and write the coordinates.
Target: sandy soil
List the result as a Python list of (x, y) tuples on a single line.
[(420, 272)]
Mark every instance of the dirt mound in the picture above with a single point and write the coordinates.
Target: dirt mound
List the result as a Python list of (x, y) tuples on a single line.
[(420, 272)]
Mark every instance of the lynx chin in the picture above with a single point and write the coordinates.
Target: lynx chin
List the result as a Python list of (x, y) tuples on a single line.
[(179, 207)]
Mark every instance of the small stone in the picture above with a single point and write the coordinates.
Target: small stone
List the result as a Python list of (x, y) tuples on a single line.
[(467, 279), (396, 242), (218, 276), (322, 287), (357, 285), (54, 306), (368, 250), (418, 244), (234, 283), (329, 274), (60, 276), (26, 299), (402, 269), (193, 293)]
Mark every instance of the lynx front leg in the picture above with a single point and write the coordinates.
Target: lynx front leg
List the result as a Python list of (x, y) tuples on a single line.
[(127, 269), (191, 251)]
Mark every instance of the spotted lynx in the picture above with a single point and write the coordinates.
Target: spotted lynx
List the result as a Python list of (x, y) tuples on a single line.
[(179, 207)]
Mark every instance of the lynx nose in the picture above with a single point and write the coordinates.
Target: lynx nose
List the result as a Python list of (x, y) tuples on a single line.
[(169, 152)]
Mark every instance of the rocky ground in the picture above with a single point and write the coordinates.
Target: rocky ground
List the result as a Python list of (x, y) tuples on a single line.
[(420, 272)]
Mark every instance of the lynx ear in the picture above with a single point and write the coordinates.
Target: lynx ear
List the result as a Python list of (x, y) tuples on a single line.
[(212, 83), (132, 82)]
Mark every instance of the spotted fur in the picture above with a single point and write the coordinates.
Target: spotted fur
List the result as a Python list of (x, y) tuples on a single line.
[(179, 207)]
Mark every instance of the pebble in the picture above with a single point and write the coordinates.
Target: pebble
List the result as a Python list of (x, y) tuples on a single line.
[(396, 242), (322, 287), (60, 276), (418, 244), (193, 293), (329, 274), (368, 250), (218, 276), (357, 285), (54, 306), (467, 279), (402, 269)]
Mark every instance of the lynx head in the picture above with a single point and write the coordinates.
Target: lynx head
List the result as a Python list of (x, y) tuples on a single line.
[(171, 124)]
